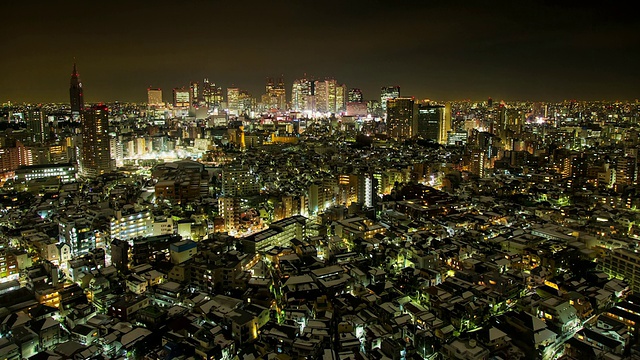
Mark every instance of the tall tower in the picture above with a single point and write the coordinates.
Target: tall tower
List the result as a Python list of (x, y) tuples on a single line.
[(75, 93), (37, 125), (96, 152), (402, 120), (302, 95), (154, 97), (386, 93), (430, 121), (233, 104)]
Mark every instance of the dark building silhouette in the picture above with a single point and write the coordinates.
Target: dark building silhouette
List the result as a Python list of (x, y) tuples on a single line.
[(75, 93)]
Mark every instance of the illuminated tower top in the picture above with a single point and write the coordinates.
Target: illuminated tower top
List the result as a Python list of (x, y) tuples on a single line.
[(75, 92)]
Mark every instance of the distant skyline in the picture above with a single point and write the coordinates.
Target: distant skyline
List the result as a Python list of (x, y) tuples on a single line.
[(452, 50)]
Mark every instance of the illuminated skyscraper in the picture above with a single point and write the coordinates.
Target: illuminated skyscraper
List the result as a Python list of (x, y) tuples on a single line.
[(232, 101), (478, 159), (434, 122), (329, 96), (275, 95), (341, 98), (245, 102), (194, 94), (76, 96), (355, 95), (180, 97), (445, 125), (154, 97), (212, 94), (402, 119), (302, 95), (386, 93), (367, 189), (430, 118), (37, 125), (321, 92), (96, 153)]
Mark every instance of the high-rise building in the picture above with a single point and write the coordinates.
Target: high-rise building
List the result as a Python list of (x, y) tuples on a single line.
[(245, 102), (626, 171), (322, 96), (194, 94), (445, 125), (233, 104), (76, 96), (275, 95), (478, 160), (386, 93), (434, 122), (211, 94), (239, 182), (367, 189), (330, 97), (341, 98), (401, 118), (96, 152), (355, 95), (154, 97), (181, 97), (430, 118), (302, 95), (37, 125), (374, 108)]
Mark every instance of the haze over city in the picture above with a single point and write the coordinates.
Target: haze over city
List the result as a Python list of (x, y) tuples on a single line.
[(526, 50)]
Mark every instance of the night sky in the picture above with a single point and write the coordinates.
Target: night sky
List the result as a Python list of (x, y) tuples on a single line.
[(442, 50)]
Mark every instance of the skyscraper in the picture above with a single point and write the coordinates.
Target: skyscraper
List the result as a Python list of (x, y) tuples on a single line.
[(401, 118), (75, 93), (275, 95), (445, 125), (355, 95), (430, 118), (194, 94), (386, 93), (96, 152), (341, 98), (37, 125), (180, 97), (302, 95), (212, 94), (233, 104), (154, 97), (434, 122)]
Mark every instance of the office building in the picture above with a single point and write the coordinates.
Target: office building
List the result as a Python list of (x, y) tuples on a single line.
[(154, 97), (96, 152), (430, 119), (302, 95), (181, 97), (233, 103), (194, 94), (275, 95), (211, 94), (355, 95), (387, 93), (37, 125), (401, 118), (65, 172)]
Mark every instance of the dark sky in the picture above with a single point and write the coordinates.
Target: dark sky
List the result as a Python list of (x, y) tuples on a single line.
[(442, 50)]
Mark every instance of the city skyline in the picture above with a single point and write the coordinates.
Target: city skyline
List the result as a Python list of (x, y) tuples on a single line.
[(524, 51)]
